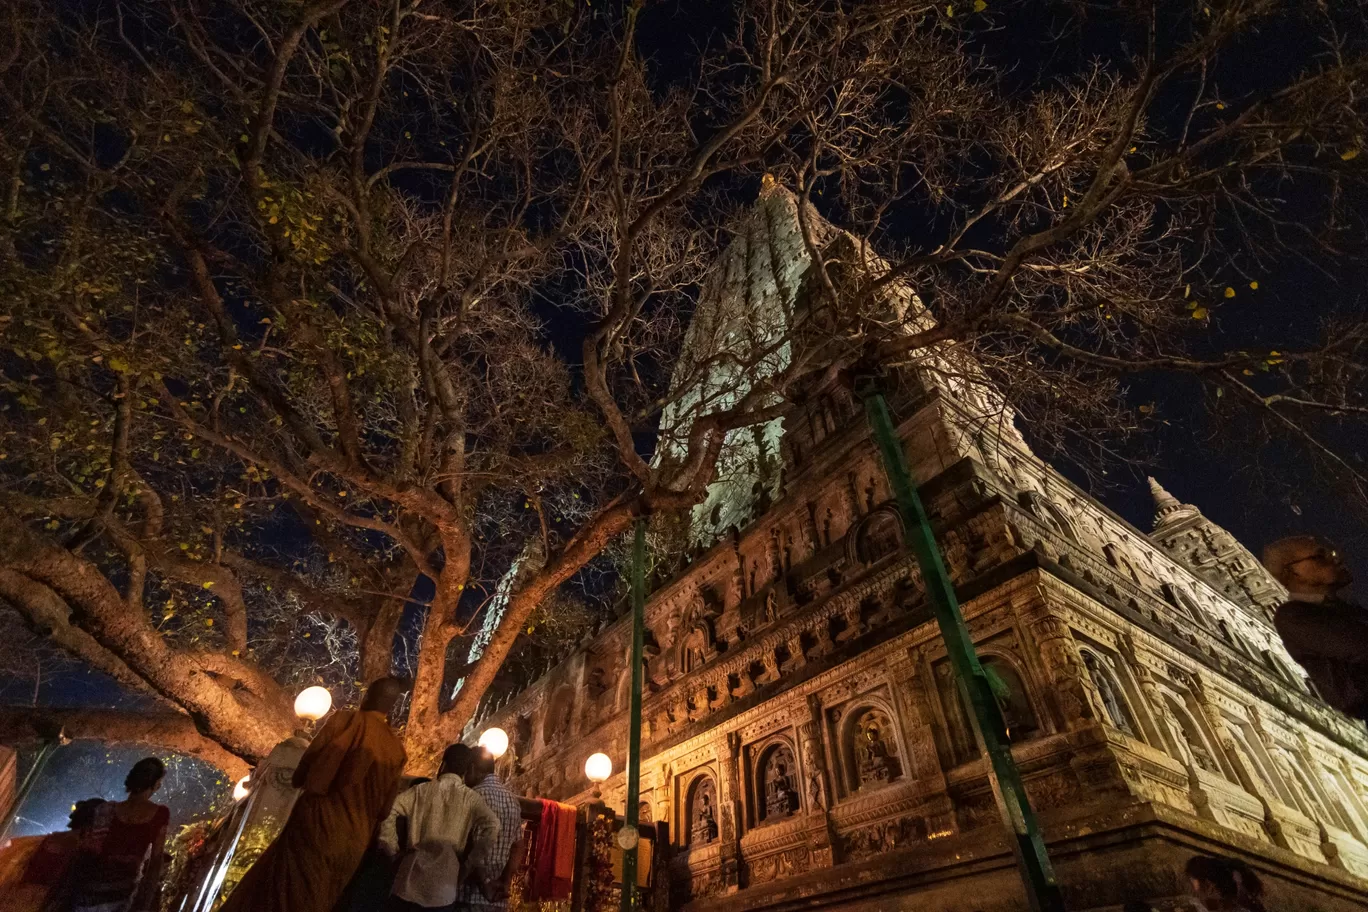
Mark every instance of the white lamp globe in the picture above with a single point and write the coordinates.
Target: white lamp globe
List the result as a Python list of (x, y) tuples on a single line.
[(241, 790), (598, 767), (494, 740), (313, 703)]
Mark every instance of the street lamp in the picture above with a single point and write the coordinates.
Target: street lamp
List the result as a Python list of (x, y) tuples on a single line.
[(313, 703), (598, 768), (494, 740)]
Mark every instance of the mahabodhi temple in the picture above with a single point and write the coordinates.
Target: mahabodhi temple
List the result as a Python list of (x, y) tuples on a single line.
[(803, 735)]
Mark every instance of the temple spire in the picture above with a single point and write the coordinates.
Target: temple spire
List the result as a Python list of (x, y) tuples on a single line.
[(1210, 551), (1167, 508)]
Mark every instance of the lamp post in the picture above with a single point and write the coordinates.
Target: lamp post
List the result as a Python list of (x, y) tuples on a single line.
[(630, 835), (598, 768)]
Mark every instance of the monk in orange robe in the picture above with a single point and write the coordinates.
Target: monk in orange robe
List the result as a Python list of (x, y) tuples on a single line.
[(349, 776)]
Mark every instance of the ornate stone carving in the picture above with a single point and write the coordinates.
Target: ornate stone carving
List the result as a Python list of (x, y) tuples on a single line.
[(814, 758), (876, 752), (779, 865), (777, 775), (885, 836), (703, 827)]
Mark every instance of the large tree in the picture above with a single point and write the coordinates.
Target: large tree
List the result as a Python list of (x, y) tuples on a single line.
[(315, 311)]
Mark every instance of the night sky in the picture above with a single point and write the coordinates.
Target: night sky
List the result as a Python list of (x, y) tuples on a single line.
[(1258, 494)]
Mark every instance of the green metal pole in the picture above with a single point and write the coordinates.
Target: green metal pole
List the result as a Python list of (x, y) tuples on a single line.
[(629, 855), (1042, 891)]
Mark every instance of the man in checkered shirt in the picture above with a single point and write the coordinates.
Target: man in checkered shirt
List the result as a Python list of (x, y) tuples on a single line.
[(505, 851)]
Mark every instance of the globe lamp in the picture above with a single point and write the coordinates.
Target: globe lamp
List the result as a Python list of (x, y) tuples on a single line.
[(494, 740), (313, 703), (598, 768)]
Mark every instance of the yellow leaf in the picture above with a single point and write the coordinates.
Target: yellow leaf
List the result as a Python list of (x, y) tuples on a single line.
[(45, 167), (1247, 372), (208, 622), (1146, 409), (980, 6), (950, 11), (237, 652), (208, 584), (187, 107), (1220, 106), (1346, 155), (1199, 313), (1254, 286), (1229, 292)]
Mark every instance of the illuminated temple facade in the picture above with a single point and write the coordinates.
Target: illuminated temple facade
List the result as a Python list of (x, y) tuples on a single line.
[(804, 737)]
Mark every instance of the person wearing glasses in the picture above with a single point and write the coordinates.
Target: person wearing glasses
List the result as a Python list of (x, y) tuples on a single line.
[(1324, 632)]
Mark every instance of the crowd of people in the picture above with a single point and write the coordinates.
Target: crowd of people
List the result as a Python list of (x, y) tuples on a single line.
[(354, 842)]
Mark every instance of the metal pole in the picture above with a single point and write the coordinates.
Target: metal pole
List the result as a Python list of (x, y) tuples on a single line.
[(44, 755), (629, 855), (1042, 891)]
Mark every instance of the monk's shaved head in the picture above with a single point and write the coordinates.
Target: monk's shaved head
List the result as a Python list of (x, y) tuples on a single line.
[(383, 694)]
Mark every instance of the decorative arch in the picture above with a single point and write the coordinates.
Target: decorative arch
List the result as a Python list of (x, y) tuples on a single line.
[(776, 781), (701, 811), (1109, 688), (556, 720), (1014, 698), (878, 535), (1192, 742), (1179, 598), (1118, 560), (871, 753), (1045, 510), (1310, 802)]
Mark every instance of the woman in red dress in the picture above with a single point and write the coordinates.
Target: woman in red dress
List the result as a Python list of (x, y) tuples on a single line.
[(121, 867)]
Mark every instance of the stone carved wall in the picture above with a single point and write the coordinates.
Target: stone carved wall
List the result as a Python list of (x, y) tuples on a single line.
[(793, 599)]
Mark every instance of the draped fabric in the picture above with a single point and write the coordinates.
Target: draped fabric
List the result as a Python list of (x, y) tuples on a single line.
[(553, 867), (349, 777)]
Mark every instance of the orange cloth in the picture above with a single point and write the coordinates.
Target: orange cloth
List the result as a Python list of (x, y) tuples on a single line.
[(349, 776), (552, 872)]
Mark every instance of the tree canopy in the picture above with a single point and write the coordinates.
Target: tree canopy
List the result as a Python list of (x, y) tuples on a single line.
[(315, 311)]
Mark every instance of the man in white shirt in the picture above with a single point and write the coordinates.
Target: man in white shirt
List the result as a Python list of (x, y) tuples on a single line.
[(445, 818)]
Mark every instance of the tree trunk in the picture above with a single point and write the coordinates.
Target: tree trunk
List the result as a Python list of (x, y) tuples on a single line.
[(156, 731)]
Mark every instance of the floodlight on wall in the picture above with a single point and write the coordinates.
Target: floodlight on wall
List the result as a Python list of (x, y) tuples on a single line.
[(598, 768), (313, 703), (494, 740), (241, 790)]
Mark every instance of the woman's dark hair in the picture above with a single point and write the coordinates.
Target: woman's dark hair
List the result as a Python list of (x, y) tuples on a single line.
[(1217, 872), (83, 814), (145, 774)]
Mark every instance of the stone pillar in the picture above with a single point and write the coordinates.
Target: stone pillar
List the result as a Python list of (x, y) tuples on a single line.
[(665, 803), (1066, 676), (921, 760), (729, 761), (817, 786)]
